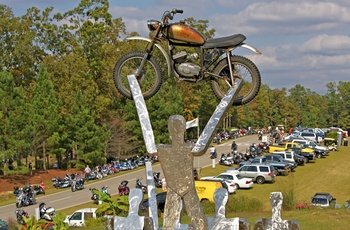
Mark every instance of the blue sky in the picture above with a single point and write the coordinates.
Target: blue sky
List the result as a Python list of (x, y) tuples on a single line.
[(304, 42)]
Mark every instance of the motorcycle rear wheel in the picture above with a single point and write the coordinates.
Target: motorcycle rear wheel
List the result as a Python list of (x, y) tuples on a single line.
[(150, 81), (243, 68)]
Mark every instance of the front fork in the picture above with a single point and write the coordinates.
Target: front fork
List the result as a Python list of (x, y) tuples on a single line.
[(147, 55), (229, 63)]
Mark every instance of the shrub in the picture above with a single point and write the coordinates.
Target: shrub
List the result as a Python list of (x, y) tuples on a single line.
[(331, 134)]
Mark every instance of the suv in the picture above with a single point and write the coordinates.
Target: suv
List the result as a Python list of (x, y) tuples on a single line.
[(260, 173), (309, 136), (323, 200)]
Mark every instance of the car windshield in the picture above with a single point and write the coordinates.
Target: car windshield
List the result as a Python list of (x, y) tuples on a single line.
[(319, 201), (239, 176)]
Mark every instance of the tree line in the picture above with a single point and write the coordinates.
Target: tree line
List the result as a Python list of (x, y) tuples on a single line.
[(58, 98)]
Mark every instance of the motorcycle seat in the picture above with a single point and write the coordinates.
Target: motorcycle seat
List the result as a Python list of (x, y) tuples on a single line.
[(224, 42)]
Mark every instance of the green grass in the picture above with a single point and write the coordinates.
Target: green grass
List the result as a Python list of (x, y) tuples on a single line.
[(328, 174)]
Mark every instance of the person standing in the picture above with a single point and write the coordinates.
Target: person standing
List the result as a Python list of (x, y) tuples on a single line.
[(212, 152), (87, 172), (233, 146), (30, 167)]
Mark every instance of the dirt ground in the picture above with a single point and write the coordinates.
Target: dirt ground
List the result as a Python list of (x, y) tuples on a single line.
[(8, 182)]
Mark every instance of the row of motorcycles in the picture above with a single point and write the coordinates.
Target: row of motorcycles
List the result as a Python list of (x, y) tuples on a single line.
[(45, 213), (72, 181), (235, 157)]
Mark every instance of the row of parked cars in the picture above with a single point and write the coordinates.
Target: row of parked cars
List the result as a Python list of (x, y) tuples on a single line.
[(287, 157)]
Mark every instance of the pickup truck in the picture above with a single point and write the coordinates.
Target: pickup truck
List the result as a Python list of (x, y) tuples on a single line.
[(288, 145), (79, 217), (310, 156), (282, 168)]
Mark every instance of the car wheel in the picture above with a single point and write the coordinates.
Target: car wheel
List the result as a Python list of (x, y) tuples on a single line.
[(237, 186), (319, 156), (260, 180)]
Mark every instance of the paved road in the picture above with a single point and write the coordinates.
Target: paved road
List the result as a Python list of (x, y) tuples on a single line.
[(67, 199)]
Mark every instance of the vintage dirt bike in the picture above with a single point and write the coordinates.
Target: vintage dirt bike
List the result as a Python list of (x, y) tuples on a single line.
[(215, 61)]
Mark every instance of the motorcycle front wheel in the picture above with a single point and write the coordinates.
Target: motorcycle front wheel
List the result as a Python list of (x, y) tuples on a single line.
[(243, 69), (150, 79)]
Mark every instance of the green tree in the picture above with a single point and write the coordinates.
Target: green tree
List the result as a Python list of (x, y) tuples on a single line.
[(44, 114), (85, 137), (11, 118)]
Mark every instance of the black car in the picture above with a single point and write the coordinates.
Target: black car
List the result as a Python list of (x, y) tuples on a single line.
[(161, 197)]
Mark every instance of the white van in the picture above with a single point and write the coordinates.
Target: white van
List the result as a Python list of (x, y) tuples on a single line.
[(79, 217)]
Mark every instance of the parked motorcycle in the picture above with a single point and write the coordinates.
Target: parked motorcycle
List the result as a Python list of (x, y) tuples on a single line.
[(38, 189), (19, 216), (141, 186), (123, 188), (217, 64), (61, 183), (157, 180), (77, 184), (225, 161), (94, 196), (347, 206), (46, 213), (105, 191)]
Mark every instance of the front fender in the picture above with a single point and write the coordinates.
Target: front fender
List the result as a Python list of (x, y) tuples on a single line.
[(247, 46), (165, 54)]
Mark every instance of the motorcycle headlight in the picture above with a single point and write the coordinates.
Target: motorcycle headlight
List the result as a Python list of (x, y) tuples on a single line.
[(153, 24)]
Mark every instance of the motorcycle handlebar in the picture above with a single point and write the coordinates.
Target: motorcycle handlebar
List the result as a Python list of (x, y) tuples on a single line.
[(170, 15), (176, 11)]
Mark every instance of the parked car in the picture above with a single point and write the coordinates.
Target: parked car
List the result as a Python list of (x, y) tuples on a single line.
[(260, 173), (293, 136), (299, 159), (278, 158), (160, 197), (233, 178), (309, 136), (323, 200), (229, 185), (321, 151), (281, 167)]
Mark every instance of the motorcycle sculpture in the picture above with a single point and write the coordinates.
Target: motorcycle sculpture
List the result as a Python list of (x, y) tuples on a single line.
[(215, 61)]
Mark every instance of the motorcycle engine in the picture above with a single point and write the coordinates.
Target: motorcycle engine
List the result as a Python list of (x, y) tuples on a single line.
[(186, 69)]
